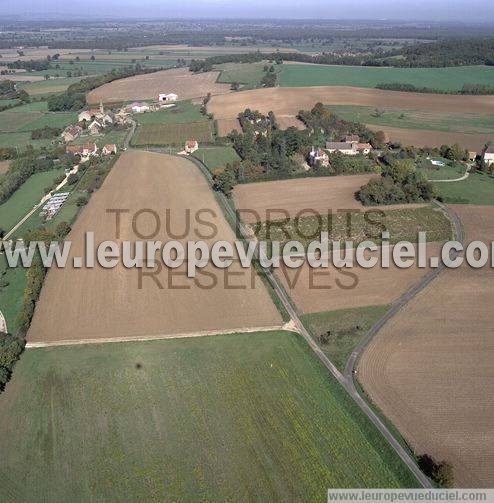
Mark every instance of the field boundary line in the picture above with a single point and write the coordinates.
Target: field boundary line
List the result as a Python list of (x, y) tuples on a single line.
[(157, 337)]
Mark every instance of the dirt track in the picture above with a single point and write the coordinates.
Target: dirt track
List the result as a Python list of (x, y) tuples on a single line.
[(113, 304), (145, 87), (430, 368)]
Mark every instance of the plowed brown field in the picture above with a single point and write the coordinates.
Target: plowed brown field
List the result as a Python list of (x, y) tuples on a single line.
[(226, 126), (101, 303), (145, 87), (428, 138), (430, 368)]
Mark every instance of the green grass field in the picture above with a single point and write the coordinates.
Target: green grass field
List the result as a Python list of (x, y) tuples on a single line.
[(248, 74), (449, 171), (216, 157), (478, 188), (173, 134), (224, 418), (21, 140), (109, 136), (347, 327), (447, 79), (415, 119), (11, 295), (49, 86), (182, 113), (24, 198)]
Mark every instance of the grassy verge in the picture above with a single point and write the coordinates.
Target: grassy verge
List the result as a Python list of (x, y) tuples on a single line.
[(240, 417), (346, 327), (478, 188)]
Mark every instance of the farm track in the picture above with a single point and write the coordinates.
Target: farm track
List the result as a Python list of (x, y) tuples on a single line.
[(189, 335)]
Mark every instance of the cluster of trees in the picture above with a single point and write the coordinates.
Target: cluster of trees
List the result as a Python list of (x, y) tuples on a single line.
[(11, 348), (475, 89), (269, 78), (45, 132), (19, 171), (9, 91), (38, 65), (400, 183), (440, 472)]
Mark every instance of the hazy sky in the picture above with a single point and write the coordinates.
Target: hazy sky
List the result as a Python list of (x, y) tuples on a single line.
[(463, 10)]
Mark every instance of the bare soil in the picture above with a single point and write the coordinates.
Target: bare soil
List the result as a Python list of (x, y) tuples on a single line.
[(84, 303), (430, 368), (145, 87)]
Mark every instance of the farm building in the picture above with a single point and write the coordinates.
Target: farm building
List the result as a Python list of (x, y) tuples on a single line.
[(167, 97), (71, 133), (351, 138), (139, 108), (84, 116), (489, 156), (109, 149), (318, 156), (94, 128), (89, 149), (191, 146), (364, 148), (343, 147)]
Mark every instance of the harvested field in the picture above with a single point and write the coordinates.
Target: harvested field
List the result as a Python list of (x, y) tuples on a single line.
[(226, 126), (317, 290), (285, 121), (169, 134), (115, 303), (4, 166), (430, 368), (293, 196), (428, 138), (289, 101), (145, 87)]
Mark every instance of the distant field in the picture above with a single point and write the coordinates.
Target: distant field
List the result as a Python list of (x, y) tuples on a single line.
[(445, 79), (21, 140), (182, 113), (172, 134), (417, 119), (49, 86), (26, 197), (248, 74), (230, 418), (216, 157)]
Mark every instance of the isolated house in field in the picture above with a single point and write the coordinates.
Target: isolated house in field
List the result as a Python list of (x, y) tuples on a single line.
[(167, 98), (109, 149), (343, 147), (191, 146), (71, 133), (318, 156), (489, 156), (94, 128)]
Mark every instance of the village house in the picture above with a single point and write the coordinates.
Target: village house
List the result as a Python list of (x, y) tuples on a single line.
[(109, 149), (167, 97), (87, 150), (71, 133), (364, 148), (108, 118), (191, 146), (343, 147), (94, 128), (489, 156), (318, 156), (84, 116), (138, 108)]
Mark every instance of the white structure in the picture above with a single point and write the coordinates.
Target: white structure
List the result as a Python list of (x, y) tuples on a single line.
[(318, 156), (140, 108), (84, 116), (52, 207), (94, 128), (191, 146), (109, 149), (167, 97), (489, 156)]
